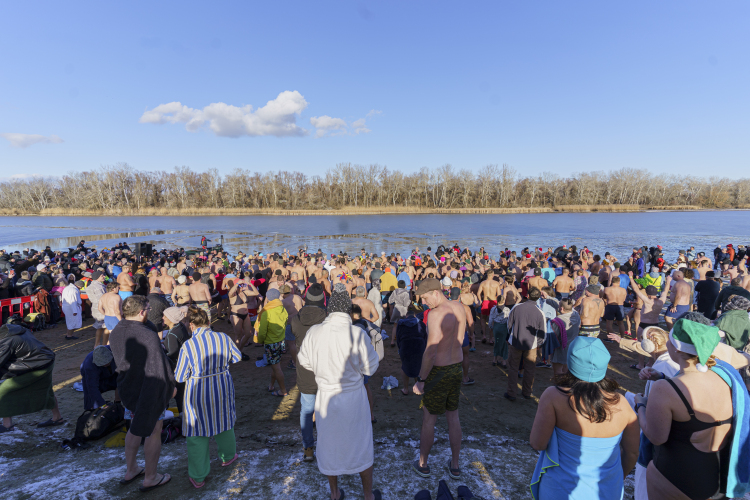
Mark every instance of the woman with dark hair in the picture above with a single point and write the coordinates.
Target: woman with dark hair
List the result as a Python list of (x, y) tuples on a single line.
[(586, 432), (203, 365)]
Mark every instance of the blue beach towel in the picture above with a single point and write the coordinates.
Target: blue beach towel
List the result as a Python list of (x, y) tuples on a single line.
[(575, 467), (738, 482)]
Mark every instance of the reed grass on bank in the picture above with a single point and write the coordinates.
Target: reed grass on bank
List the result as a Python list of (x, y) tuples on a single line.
[(390, 210)]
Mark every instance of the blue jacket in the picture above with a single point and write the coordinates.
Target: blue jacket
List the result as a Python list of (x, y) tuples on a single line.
[(95, 380)]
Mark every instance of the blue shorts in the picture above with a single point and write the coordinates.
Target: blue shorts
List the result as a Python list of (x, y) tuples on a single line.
[(367, 379), (124, 295), (110, 322), (288, 335), (614, 312), (466, 339), (680, 311), (224, 297)]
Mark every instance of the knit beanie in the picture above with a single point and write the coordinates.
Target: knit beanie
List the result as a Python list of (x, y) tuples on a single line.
[(340, 300)]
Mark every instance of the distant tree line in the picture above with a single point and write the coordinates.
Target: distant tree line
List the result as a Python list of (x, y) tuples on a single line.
[(121, 187)]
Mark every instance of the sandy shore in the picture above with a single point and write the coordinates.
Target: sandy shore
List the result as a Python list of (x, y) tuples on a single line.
[(496, 459), (192, 212)]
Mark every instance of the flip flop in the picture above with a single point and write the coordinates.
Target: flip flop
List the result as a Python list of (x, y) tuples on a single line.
[(128, 481), (50, 423), (227, 464), (196, 484), (278, 394), (404, 393), (342, 495), (377, 495), (634, 366), (4, 429), (161, 482)]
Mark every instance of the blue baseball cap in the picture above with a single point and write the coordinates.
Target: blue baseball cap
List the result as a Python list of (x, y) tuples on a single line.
[(588, 359)]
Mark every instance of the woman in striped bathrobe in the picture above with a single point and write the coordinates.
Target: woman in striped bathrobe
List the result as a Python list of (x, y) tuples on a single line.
[(209, 410)]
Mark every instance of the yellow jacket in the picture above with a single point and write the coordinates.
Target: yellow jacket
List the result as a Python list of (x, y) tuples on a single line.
[(271, 323)]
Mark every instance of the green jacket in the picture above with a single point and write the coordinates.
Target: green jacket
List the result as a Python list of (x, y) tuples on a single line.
[(736, 326), (271, 323)]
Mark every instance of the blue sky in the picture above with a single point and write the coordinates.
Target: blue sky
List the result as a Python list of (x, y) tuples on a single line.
[(544, 86)]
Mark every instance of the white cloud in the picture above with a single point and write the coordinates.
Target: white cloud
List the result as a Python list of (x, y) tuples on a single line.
[(325, 125), (278, 117), (359, 126), (26, 140), (374, 112)]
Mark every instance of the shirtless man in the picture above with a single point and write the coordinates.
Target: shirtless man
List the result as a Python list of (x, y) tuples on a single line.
[(680, 296), (441, 373), (127, 285), (591, 311), (488, 293), (200, 294), (110, 305), (614, 310), (292, 303), (512, 295), (167, 284), (181, 292), (537, 281), (368, 308), (564, 285), (153, 279), (650, 312), (243, 300)]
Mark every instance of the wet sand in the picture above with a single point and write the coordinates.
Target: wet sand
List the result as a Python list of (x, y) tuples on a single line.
[(496, 458)]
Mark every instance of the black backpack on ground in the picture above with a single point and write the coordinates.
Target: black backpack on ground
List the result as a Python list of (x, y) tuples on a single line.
[(95, 424)]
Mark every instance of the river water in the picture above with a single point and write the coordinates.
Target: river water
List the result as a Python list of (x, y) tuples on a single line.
[(614, 232)]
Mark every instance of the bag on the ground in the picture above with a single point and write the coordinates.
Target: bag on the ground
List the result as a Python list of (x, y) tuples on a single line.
[(171, 429), (36, 321), (94, 424)]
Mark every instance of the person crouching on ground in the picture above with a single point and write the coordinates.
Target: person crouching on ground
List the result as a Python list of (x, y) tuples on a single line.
[(26, 370), (146, 384), (341, 355), (203, 365)]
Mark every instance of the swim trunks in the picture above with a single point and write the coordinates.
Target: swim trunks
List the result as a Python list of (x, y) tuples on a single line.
[(204, 305), (442, 389), (239, 315), (110, 322), (590, 330), (561, 295), (274, 351), (124, 295), (643, 325), (466, 338), (680, 311), (614, 312), (487, 306)]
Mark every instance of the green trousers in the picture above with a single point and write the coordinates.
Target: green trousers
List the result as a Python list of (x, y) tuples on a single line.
[(199, 461)]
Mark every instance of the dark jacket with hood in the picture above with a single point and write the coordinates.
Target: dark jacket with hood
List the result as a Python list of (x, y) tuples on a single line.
[(158, 304), (24, 288), (21, 352), (145, 378), (301, 323)]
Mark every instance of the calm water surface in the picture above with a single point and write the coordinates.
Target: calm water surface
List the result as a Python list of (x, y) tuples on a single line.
[(617, 233)]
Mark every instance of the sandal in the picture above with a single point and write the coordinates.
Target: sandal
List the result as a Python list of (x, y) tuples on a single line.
[(634, 366), (278, 394), (226, 464), (50, 423), (404, 393), (128, 481), (4, 429), (161, 482)]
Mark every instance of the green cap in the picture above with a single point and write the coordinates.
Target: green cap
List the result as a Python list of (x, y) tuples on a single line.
[(696, 339)]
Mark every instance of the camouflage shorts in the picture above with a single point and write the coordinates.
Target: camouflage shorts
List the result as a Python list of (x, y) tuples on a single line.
[(442, 387)]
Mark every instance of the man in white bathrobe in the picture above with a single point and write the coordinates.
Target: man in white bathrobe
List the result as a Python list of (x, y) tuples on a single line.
[(71, 306), (341, 355)]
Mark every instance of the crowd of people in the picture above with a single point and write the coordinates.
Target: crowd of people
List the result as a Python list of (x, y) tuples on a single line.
[(687, 322)]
